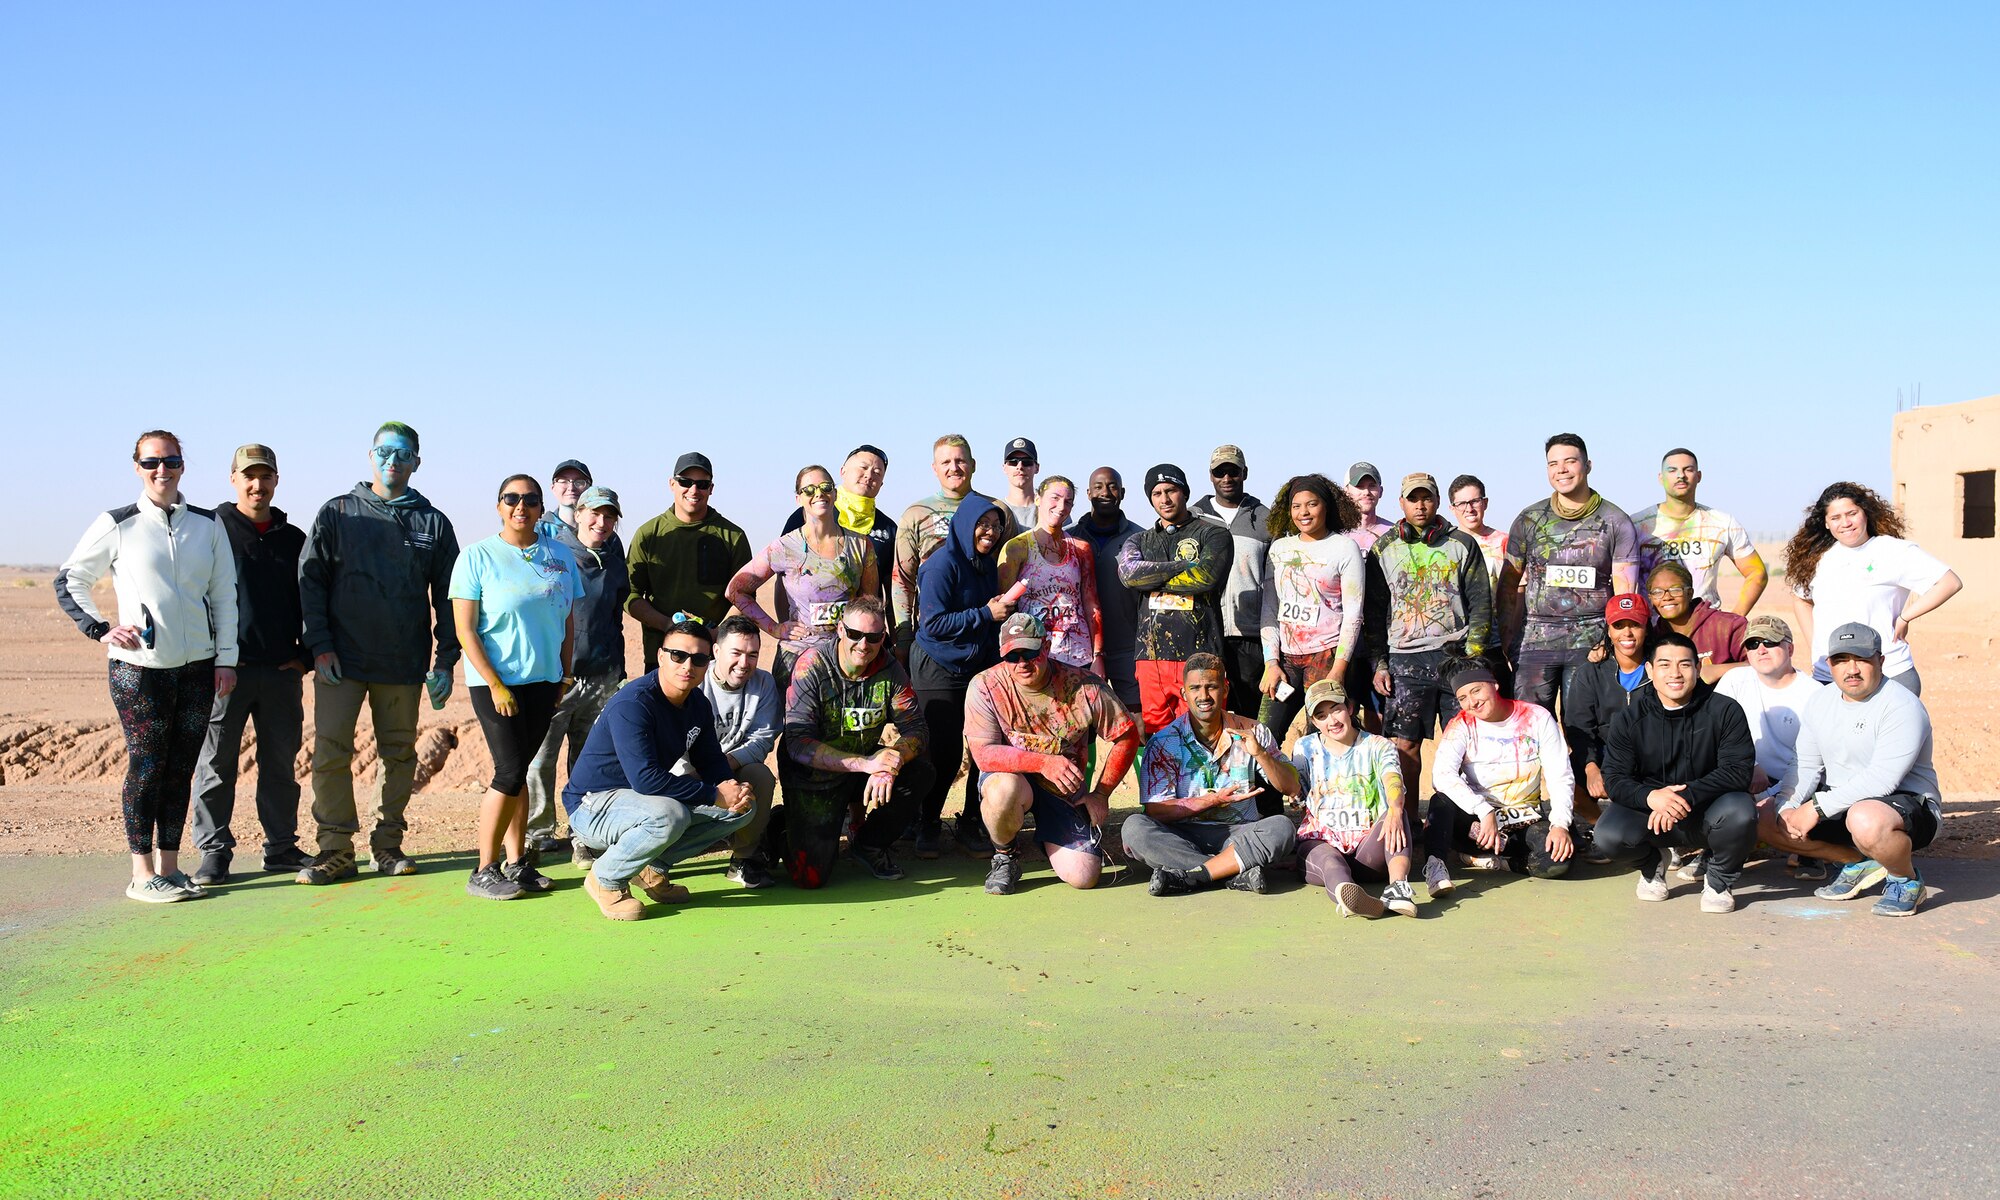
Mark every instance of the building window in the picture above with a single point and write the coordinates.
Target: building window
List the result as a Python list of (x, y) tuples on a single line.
[(1977, 487)]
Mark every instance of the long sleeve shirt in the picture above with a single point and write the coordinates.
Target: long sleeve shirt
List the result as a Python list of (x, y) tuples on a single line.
[(1180, 572), (1861, 749), (639, 740), (746, 720), (175, 580), (1508, 767), (1704, 745)]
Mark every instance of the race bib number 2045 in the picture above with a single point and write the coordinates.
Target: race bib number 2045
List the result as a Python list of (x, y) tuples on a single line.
[(1570, 577)]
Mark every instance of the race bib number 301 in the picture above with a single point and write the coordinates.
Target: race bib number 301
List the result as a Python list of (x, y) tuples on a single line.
[(1570, 577)]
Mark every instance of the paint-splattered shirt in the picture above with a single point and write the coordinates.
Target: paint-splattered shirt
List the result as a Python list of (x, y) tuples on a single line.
[(1073, 709), (1699, 542), (1567, 572), (1177, 766), (1312, 597), (1509, 767), (826, 706), (1435, 592), (1345, 788), (1061, 595), (1493, 547), (817, 587), (1179, 573)]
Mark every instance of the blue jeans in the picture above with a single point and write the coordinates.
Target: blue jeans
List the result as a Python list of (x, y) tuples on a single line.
[(634, 830)]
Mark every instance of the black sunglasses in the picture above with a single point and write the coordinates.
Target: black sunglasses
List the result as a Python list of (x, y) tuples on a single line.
[(1226, 471), (531, 499), (1761, 643), (172, 462), (855, 635), (1021, 656), (694, 485), (688, 656)]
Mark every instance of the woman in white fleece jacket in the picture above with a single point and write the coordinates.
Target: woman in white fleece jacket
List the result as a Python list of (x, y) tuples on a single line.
[(173, 649)]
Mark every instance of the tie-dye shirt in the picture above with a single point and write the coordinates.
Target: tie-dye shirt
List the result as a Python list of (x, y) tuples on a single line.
[(1073, 709), (1699, 542), (1345, 788), (816, 587), (1178, 766), (1061, 595), (1567, 572), (1508, 767), (1312, 597), (1371, 529)]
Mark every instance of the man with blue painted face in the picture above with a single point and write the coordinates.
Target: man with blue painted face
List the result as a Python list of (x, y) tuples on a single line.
[(374, 586)]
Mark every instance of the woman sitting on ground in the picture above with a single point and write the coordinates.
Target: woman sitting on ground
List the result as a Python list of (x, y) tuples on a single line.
[(1356, 820)]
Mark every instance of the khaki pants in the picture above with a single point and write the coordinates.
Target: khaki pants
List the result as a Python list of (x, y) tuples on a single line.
[(336, 709)]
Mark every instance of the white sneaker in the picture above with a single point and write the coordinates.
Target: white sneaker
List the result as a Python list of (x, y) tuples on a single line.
[(1717, 902), (1437, 877), (1353, 901), (1652, 887), (154, 890)]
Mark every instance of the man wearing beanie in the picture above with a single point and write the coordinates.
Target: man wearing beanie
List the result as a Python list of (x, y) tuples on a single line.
[(1178, 569)]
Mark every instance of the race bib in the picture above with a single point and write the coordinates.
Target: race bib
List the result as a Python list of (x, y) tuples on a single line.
[(1059, 613), (822, 615), (1570, 577), (1169, 602), (1299, 612), (1517, 818), (856, 720)]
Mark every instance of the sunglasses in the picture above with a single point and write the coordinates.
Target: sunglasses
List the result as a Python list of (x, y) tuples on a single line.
[(855, 635), (814, 491), (694, 485), (395, 454), (513, 499), (687, 656), (1021, 656), (172, 462), (1762, 643), (1226, 472)]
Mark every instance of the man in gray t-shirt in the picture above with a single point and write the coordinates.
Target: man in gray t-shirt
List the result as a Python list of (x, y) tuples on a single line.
[(748, 711)]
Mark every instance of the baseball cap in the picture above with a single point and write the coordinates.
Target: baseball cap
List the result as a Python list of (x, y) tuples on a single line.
[(1228, 454), (1022, 631), (599, 497), (1165, 473), (1020, 448), (1856, 639), (1419, 479), (1627, 606), (1768, 627), (694, 458), (572, 464), (1363, 470), (253, 454), (1323, 691)]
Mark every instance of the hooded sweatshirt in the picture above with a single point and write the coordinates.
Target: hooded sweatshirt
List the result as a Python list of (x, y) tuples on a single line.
[(375, 586), (955, 628), (1243, 595), (1434, 592), (1704, 744)]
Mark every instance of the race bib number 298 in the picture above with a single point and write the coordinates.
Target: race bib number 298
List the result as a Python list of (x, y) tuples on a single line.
[(1571, 577)]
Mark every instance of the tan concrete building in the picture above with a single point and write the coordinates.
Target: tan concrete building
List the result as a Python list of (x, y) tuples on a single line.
[(1943, 459)]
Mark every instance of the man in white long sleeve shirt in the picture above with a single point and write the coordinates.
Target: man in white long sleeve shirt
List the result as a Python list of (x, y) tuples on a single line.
[(1864, 792), (1505, 789)]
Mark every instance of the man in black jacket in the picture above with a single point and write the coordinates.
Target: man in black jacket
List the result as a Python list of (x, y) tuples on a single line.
[(1677, 766), (270, 678)]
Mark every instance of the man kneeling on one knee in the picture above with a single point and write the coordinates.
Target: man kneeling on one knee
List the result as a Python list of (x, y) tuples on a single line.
[(624, 795), (1032, 722), (1199, 825), (1677, 765)]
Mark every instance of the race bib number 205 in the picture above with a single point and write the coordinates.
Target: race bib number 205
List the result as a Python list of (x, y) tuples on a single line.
[(1571, 577)]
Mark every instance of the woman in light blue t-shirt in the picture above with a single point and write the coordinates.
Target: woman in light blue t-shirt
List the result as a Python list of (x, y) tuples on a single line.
[(511, 595)]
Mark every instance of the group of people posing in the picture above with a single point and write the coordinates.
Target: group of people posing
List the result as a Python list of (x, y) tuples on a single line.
[(1271, 671)]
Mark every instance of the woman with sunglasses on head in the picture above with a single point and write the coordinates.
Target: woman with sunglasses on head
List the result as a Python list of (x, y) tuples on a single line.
[(172, 649), (1057, 574), (511, 596), (820, 568)]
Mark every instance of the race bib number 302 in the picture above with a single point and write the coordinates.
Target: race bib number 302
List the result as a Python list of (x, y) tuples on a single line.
[(1571, 577)]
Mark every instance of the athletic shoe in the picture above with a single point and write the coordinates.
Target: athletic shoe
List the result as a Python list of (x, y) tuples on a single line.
[(1900, 897), (390, 860), (615, 903), (662, 889), (1250, 879), (180, 880), (1586, 848), (154, 890), (1653, 884), (1854, 879), (1400, 898), (1168, 882), (290, 859), (1693, 867), (582, 855), (1485, 862), (328, 867), (930, 840), (525, 874), (748, 873), (487, 883), (1811, 870), (877, 862), (1003, 874), (971, 833), (1437, 877), (1353, 900), (548, 843), (214, 868), (1715, 901)]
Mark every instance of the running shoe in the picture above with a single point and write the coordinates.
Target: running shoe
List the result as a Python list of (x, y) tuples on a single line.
[(1811, 870), (1693, 866), (1653, 883), (1353, 900), (1437, 877), (1717, 900), (1004, 874), (328, 867), (1900, 897), (971, 833), (180, 880), (748, 873), (525, 874), (390, 860), (290, 859), (1485, 862), (876, 862), (929, 841), (581, 854), (154, 890), (1854, 879), (487, 883), (214, 868), (1400, 898), (1168, 882), (1250, 879)]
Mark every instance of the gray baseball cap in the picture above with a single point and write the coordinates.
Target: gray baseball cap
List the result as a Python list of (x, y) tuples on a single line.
[(1856, 640), (1363, 470), (600, 497)]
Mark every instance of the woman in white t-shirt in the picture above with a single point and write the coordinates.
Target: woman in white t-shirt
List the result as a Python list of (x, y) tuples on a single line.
[(1849, 562), (1311, 614)]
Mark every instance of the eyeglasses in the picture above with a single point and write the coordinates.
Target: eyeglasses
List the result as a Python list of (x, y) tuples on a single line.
[(694, 485), (813, 491), (1478, 502), (687, 656), (514, 499), (1021, 656), (1761, 644), (172, 462), (1676, 590), (855, 635), (395, 454)]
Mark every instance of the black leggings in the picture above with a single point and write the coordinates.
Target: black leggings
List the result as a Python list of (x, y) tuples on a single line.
[(513, 741), (942, 697), (164, 711), (1448, 831)]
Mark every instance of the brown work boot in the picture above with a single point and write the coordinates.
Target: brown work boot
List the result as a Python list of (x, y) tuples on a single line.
[(660, 888), (617, 904)]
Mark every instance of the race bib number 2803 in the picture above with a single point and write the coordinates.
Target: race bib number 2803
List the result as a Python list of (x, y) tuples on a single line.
[(1571, 577)]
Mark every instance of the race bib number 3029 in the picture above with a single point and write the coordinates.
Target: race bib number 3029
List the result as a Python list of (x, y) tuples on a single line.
[(1571, 577)]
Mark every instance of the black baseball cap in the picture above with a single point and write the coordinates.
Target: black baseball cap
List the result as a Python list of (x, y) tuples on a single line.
[(694, 458), (572, 464), (1020, 448)]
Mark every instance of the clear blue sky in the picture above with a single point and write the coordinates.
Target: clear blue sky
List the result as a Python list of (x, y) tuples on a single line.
[(1424, 235)]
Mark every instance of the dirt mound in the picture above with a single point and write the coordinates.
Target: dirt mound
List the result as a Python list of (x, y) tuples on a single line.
[(60, 751)]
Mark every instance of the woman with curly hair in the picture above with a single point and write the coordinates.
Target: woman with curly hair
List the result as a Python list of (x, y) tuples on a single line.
[(1311, 622), (1850, 562)]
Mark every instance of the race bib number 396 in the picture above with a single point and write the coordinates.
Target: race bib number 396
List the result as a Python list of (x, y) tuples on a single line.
[(1571, 577)]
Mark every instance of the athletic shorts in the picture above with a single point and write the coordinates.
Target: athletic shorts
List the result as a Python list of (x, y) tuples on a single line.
[(1920, 821), (1057, 821)]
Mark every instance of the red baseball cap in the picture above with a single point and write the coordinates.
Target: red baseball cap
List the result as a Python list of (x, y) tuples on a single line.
[(1627, 606)]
